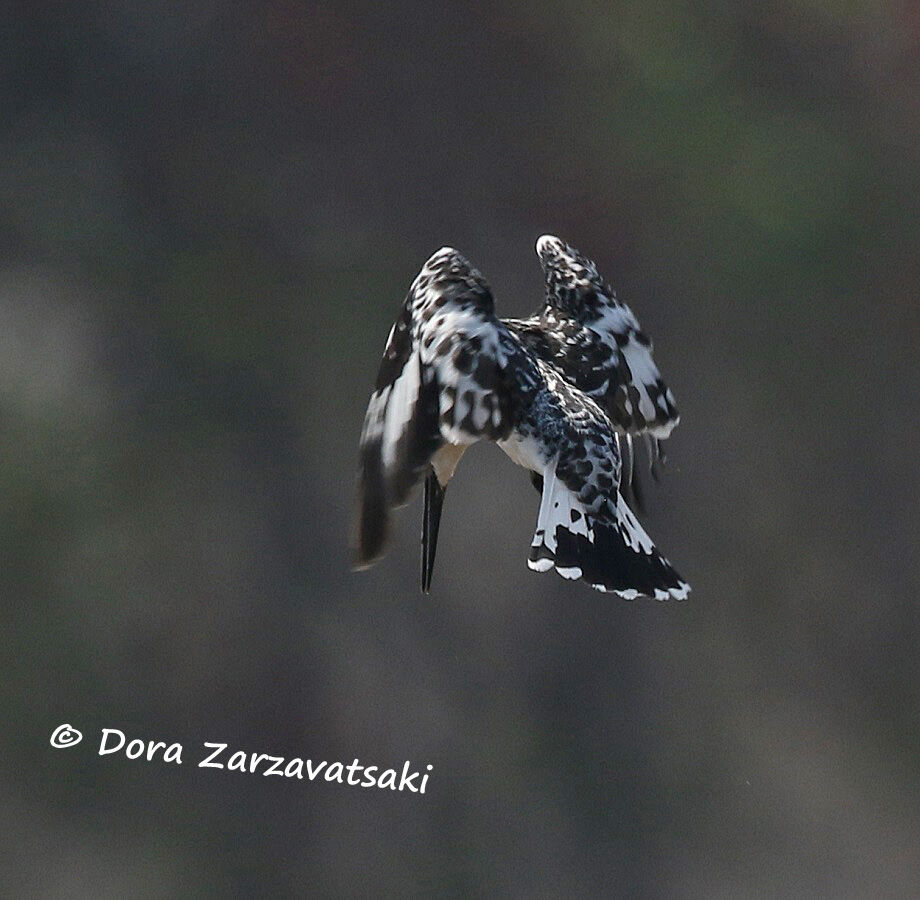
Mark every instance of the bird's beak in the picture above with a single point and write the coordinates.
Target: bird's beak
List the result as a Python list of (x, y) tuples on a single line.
[(434, 500), (630, 485)]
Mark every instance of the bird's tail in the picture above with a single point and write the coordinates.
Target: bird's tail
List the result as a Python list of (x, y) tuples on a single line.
[(618, 557)]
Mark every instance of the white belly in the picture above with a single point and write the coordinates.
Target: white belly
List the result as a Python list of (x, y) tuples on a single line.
[(526, 452)]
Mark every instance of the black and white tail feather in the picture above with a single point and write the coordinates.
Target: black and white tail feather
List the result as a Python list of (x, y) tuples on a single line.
[(453, 374), (615, 557)]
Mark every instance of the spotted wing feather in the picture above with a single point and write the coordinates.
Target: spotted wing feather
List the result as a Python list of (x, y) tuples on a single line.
[(596, 342), (444, 379)]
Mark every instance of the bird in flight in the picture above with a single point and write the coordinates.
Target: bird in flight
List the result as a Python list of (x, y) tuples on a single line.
[(453, 374)]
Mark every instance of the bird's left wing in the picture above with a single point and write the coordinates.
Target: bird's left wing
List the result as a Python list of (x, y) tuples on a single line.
[(445, 379)]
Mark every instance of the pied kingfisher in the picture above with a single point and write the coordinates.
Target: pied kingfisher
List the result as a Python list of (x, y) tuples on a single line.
[(452, 374)]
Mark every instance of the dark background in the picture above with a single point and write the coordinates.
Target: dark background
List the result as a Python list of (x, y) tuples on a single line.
[(209, 215)]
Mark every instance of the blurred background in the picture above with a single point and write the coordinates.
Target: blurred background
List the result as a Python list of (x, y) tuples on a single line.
[(209, 215)]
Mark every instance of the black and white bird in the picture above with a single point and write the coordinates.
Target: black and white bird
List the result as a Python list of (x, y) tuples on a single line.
[(452, 374), (595, 342)]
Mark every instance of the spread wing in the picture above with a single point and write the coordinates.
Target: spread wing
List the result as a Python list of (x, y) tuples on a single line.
[(446, 378), (596, 343)]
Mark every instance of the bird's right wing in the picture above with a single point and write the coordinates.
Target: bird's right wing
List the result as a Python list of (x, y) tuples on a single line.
[(596, 341), (446, 379)]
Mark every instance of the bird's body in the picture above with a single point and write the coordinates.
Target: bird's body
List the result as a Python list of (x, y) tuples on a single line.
[(452, 374), (622, 380)]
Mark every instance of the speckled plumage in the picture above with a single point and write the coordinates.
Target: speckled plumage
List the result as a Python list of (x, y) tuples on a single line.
[(596, 343), (453, 374)]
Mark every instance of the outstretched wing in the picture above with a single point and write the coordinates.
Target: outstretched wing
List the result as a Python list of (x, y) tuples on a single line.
[(597, 344), (444, 379)]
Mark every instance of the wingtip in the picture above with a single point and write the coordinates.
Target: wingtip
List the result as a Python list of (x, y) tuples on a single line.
[(371, 516), (449, 257), (549, 244), (366, 548)]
